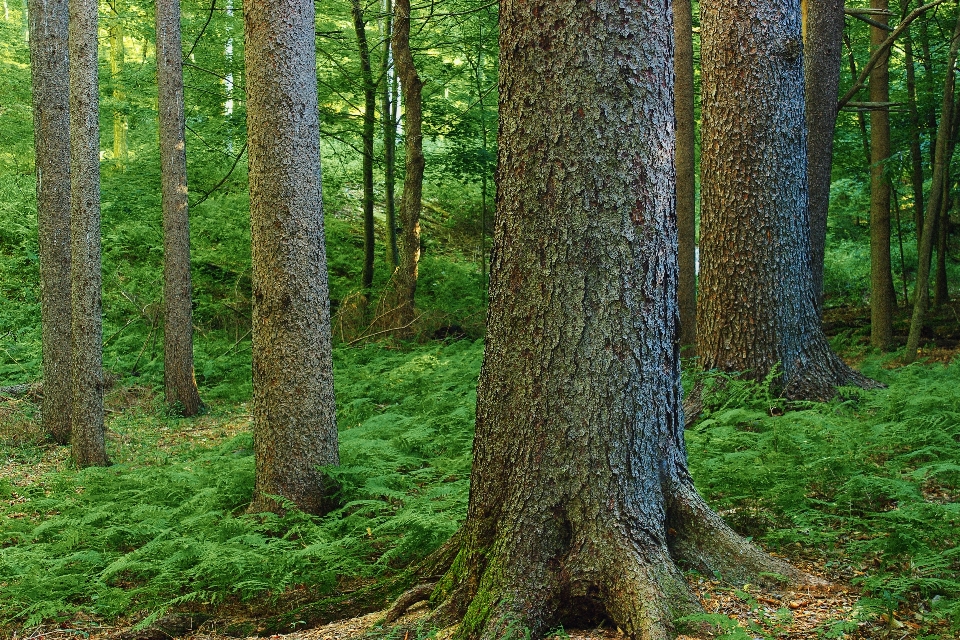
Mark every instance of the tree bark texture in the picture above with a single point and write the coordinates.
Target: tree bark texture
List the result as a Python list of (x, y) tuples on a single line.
[(180, 385), (883, 300), (686, 173), (50, 68), (369, 121), (757, 308), (412, 200), (580, 501), (822, 42), (295, 427), (87, 427)]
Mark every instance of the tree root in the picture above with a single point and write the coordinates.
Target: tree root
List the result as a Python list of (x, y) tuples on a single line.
[(409, 598)]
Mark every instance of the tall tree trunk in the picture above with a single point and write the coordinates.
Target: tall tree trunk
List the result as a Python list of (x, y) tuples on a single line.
[(580, 500), (87, 428), (935, 207), (861, 118), (484, 141), (389, 117), (50, 68), (882, 296), (411, 202), (369, 120), (941, 293), (822, 41), (916, 154), (930, 110), (686, 173), (116, 78), (757, 306), (294, 415), (179, 383)]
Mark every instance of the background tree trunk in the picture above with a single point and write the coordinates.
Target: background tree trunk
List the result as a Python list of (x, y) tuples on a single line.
[(389, 117), (86, 280), (116, 78), (179, 383), (50, 68), (294, 415), (916, 154), (369, 120), (686, 173), (757, 305)]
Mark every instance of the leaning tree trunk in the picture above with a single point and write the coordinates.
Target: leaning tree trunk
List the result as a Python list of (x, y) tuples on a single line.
[(294, 415), (411, 201), (369, 120), (686, 173), (822, 42), (580, 501), (87, 435), (50, 68), (757, 302), (179, 383)]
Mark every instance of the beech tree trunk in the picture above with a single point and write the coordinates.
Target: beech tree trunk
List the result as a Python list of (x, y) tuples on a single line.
[(87, 427), (369, 120), (757, 304), (580, 500), (50, 69), (822, 42), (179, 383), (686, 173), (294, 415)]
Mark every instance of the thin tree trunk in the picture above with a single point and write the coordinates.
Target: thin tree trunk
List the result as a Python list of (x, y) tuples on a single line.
[(822, 44), (50, 68), (116, 78), (179, 383), (930, 112), (861, 118), (389, 117), (369, 121), (916, 154), (941, 294), (686, 173), (87, 430), (294, 414), (882, 296)]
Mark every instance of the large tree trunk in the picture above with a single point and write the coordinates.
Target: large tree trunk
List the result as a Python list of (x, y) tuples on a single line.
[(411, 201), (686, 173), (822, 42), (369, 120), (757, 307), (883, 300), (87, 435), (179, 383), (580, 501), (389, 117), (294, 416), (50, 68)]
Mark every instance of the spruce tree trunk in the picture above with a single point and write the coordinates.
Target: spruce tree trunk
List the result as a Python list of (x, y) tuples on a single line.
[(882, 296), (686, 173), (580, 500), (822, 41), (87, 427), (411, 201), (757, 307), (179, 383), (389, 117), (369, 120), (294, 416), (50, 69)]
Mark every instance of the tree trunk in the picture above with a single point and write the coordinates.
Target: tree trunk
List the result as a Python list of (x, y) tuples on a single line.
[(822, 42), (411, 202), (50, 68), (116, 78), (87, 435), (882, 296), (861, 119), (916, 153), (757, 306), (941, 293), (389, 117), (580, 500), (179, 383), (294, 415), (369, 116), (686, 173)]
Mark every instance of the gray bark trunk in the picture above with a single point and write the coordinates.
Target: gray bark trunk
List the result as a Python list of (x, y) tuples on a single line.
[(757, 305), (580, 501), (686, 173), (180, 385), (295, 426), (87, 427), (50, 68)]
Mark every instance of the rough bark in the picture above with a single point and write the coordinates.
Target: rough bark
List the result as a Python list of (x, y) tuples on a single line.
[(822, 41), (389, 117), (50, 68), (686, 173), (757, 306), (369, 120), (179, 383), (580, 501), (87, 427), (295, 427), (412, 200), (882, 296)]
